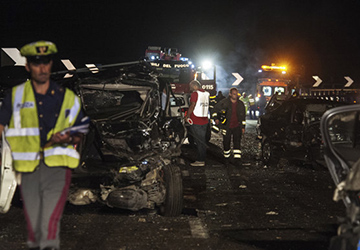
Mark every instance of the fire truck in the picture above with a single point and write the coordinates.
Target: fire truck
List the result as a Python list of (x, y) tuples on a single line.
[(180, 70), (272, 79)]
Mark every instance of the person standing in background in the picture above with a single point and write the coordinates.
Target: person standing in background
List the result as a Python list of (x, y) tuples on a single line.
[(197, 116)]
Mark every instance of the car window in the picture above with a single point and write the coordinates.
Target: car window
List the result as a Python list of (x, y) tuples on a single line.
[(344, 131)]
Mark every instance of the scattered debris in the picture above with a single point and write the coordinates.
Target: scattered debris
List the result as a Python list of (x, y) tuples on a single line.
[(272, 213), (243, 186), (142, 220), (190, 197), (205, 212), (221, 205)]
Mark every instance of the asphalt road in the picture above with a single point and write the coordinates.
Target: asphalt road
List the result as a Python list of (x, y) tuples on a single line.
[(248, 207)]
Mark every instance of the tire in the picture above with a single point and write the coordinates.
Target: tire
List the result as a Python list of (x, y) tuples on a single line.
[(173, 204), (268, 153)]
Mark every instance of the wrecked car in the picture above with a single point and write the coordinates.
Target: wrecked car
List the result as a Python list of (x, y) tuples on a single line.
[(130, 157), (292, 131), (340, 128)]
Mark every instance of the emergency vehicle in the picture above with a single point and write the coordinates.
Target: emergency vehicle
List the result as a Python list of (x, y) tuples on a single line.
[(272, 79), (180, 70)]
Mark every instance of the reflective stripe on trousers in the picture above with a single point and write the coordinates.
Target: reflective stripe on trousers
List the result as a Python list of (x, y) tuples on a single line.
[(237, 153), (227, 153)]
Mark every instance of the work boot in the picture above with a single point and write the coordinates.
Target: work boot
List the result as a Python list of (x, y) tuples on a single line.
[(198, 164)]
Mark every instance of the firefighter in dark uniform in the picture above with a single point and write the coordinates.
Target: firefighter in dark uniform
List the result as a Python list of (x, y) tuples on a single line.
[(234, 126), (34, 116)]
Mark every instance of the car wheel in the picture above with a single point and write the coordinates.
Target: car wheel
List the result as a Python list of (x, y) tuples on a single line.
[(267, 151), (173, 204)]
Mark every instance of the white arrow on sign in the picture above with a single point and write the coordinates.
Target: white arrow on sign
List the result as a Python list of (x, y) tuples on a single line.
[(350, 81), (238, 79), (92, 68), (318, 81), (68, 64), (14, 54)]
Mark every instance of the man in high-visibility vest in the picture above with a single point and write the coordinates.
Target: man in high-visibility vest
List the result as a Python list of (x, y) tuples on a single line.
[(197, 116), (35, 116), (252, 110), (245, 100)]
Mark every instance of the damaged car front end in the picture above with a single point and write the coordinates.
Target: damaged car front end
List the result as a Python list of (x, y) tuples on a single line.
[(129, 159)]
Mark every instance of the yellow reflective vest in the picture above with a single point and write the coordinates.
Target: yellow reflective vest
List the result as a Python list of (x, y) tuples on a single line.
[(23, 133)]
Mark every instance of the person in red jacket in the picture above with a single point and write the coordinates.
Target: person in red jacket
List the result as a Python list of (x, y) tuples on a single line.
[(197, 115), (235, 124)]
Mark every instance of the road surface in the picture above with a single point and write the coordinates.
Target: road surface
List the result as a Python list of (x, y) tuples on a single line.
[(248, 207)]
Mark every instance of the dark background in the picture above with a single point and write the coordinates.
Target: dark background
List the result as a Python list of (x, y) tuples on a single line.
[(311, 37)]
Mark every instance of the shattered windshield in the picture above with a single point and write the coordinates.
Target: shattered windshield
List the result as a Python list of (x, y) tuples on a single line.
[(104, 103)]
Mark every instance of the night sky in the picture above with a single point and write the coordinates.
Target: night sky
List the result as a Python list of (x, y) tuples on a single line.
[(319, 37)]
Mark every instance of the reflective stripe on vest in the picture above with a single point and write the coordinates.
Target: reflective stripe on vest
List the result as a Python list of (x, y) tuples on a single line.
[(202, 104), (23, 132), (252, 101), (56, 155)]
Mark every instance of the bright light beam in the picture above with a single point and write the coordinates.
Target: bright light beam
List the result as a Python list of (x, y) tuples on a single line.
[(207, 64)]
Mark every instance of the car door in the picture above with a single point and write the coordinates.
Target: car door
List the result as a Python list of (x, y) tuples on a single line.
[(340, 129), (8, 178)]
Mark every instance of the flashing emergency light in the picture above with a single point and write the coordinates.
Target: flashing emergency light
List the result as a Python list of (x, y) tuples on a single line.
[(273, 67)]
